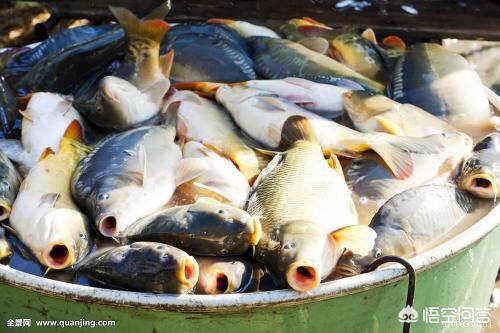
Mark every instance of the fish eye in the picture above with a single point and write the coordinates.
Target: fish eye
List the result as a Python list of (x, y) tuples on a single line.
[(444, 135), (224, 251), (222, 211), (103, 196), (6, 184), (82, 235), (378, 253), (100, 109), (289, 246)]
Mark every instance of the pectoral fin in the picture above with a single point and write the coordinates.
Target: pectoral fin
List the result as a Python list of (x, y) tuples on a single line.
[(188, 169), (166, 62), (317, 44), (49, 199), (358, 239), (334, 164)]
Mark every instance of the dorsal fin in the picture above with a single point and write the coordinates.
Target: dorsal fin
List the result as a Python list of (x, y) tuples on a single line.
[(159, 12), (297, 128), (153, 29)]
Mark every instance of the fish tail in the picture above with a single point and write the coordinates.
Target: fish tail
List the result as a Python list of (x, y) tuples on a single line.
[(297, 128), (396, 151), (153, 29), (205, 89)]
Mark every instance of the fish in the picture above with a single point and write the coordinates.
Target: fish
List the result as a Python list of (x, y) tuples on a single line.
[(264, 116), (25, 61), (444, 84), (245, 29), (128, 176), (280, 58), (413, 222), (372, 184), (204, 121), (10, 181), (217, 31), (322, 99), (480, 172), (359, 54), (143, 266), (220, 179), (61, 70), (227, 275), (207, 228), (378, 113), (9, 118), (194, 50), (44, 111), (307, 215), (5, 249), (134, 93), (44, 215)]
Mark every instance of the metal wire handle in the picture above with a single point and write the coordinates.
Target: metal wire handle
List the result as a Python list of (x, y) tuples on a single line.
[(412, 280)]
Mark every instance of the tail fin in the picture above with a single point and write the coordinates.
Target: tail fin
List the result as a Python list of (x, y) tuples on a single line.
[(153, 29), (46, 152), (297, 128), (205, 89), (396, 151), (159, 12)]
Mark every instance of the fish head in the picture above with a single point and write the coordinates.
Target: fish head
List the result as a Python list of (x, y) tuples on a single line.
[(234, 227), (112, 205), (223, 276), (480, 174), (64, 238), (351, 264), (118, 99), (302, 254), (362, 105)]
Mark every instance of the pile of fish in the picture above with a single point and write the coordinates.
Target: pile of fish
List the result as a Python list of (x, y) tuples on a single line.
[(217, 155)]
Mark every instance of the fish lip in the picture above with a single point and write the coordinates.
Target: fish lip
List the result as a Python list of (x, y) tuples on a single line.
[(188, 271), (256, 231), (310, 268), (5, 210), (489, 192), (214, 287), (69, 257), (105, 223)]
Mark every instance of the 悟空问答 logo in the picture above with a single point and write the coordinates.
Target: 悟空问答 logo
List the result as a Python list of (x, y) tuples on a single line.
[(408, 315)]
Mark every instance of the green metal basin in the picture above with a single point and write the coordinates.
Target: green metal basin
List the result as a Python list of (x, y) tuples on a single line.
[(458, 273)]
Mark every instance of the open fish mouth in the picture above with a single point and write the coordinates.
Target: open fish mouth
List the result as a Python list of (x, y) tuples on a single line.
[(188, 271), (108, 226), (483, 185), (220, 283), (5, 210), (302, 276), (58, 255)]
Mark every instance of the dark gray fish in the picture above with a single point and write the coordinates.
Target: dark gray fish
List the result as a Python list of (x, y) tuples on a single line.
[(9, 185), (61, 70), (277, 58), (228, 62), (207, 29), (227, 275), (26, 60), (143, 266), (480, 172), (10, 119), (128, 176), (414, 221), (444, 84), (207, 227)]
